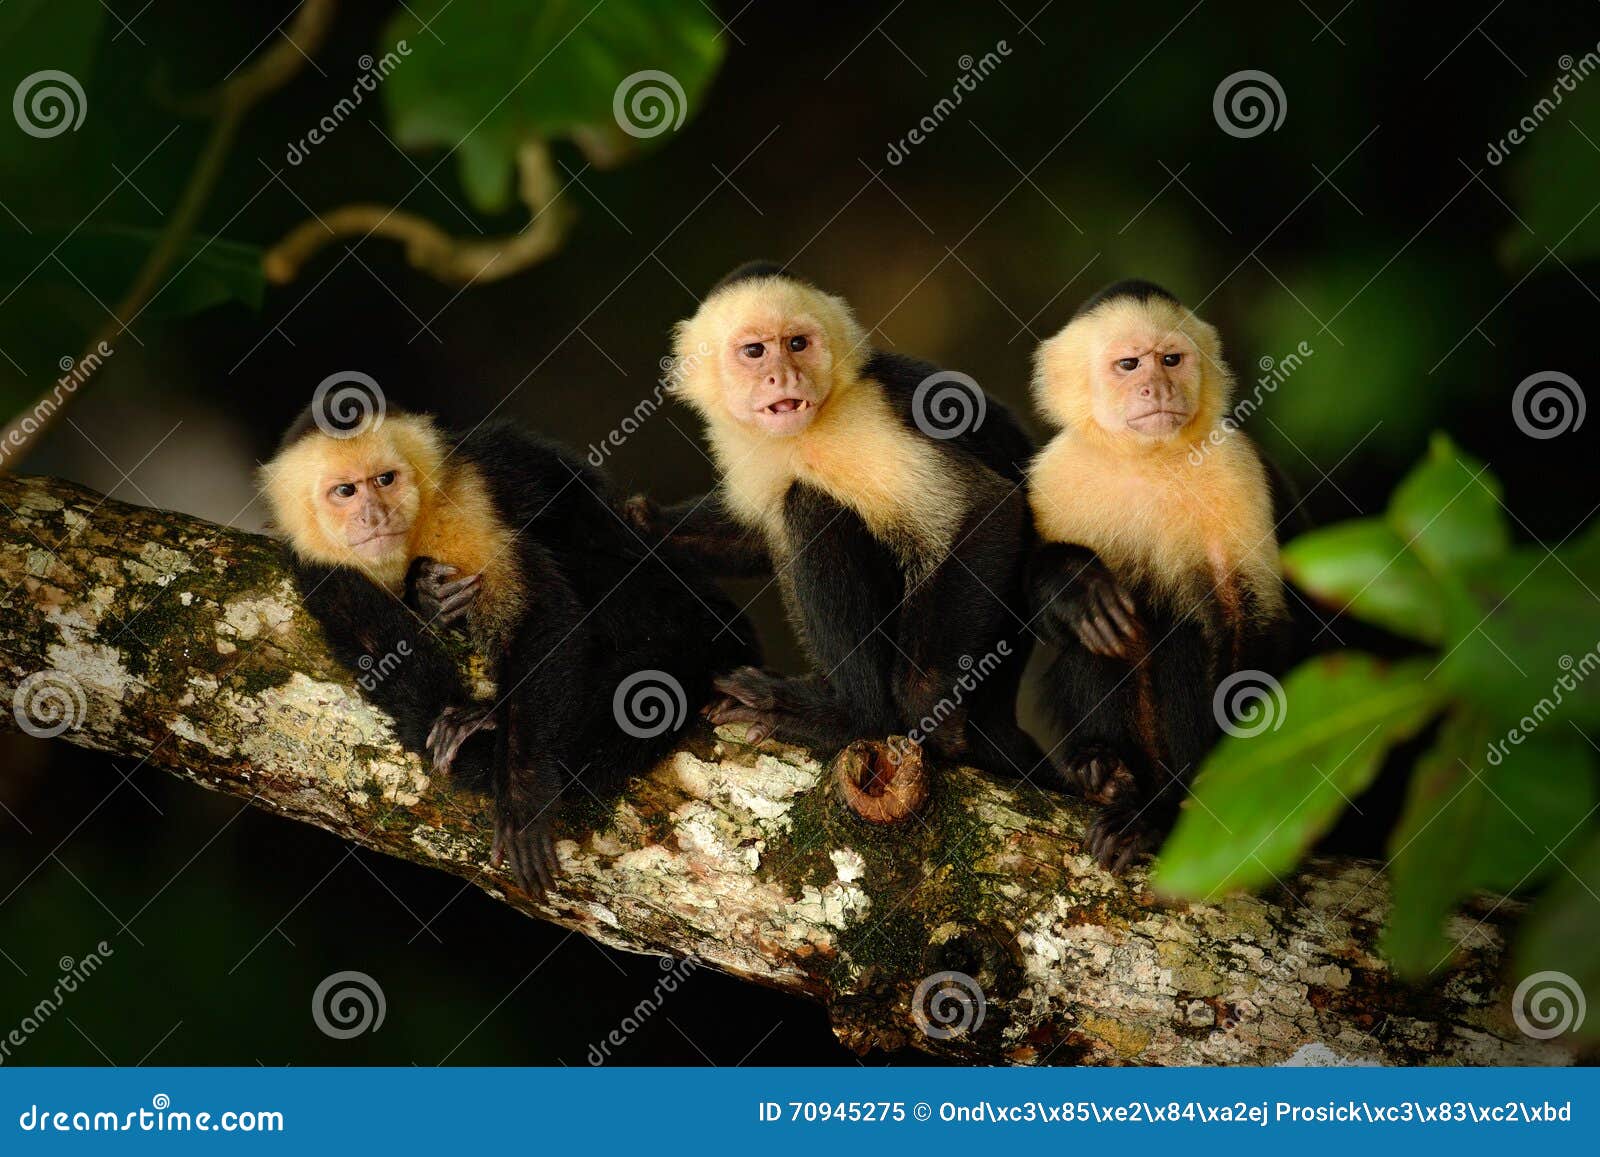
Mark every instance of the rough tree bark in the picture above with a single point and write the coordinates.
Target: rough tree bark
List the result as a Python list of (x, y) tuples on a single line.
[(182, 643)]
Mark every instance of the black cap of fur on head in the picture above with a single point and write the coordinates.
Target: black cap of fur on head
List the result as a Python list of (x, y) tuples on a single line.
[(336, 417), (751, 270), (1136, 288)]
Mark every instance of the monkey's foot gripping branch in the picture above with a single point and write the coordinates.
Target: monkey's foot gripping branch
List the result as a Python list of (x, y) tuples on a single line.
[(181, 643)]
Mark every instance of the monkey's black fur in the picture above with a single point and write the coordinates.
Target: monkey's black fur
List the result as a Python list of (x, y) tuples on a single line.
[(1133, 287), (890, 649), (601, 607)]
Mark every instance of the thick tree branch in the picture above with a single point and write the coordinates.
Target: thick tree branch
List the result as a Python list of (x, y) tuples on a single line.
[(189, 649)]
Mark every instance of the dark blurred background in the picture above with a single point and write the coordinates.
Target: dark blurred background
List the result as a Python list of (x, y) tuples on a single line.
[(1369, 225)]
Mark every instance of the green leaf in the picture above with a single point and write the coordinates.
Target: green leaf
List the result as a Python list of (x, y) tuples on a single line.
[(1362, 566), (1479, 815), (1261, 801), (482, 79), (1527, 645), (1401, 571), (1448, 509), (103, 261), (1559, 935)]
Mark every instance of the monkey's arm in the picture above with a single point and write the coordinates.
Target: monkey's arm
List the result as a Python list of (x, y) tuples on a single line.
[(1074, 597), (701, 530), (542, 697), (401, 665)]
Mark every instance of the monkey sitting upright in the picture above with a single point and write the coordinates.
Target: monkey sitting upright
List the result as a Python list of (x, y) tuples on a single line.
[(1159, 574), (898, 545), (600, 650)]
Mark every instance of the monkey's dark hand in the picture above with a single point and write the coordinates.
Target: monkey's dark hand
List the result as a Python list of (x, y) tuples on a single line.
[(454, 727), (1097, 772), (643, 513), (1118, 836), (1097, 611), (439, 591), (526, 846)]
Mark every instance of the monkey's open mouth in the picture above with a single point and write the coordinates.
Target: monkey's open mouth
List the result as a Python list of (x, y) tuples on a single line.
[(788, 406)]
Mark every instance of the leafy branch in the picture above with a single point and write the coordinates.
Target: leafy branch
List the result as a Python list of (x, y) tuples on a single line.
[(1504, 796)]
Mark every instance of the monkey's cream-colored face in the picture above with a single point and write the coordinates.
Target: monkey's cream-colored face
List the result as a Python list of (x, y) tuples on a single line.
[(777, 371), (768, 353), (372, 504), (1146, 381), (1149, 372), (338, 498)]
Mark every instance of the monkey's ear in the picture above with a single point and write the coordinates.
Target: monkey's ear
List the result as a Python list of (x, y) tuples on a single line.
[(1061, 388), (692, 372), (1216, 377)]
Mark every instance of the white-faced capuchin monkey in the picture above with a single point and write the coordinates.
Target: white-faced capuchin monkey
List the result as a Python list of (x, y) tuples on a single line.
[(1158, 573), (600, 650), (899, 546)]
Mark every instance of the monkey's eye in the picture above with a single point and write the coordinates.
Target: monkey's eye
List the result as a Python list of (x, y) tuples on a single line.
[(1171, 359), (754, 350), (1127, 364), (797, 343), (384, 479), (344, 490)]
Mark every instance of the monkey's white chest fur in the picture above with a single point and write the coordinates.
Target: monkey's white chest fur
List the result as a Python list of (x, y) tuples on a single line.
[(860, 455), (1160, 516)]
